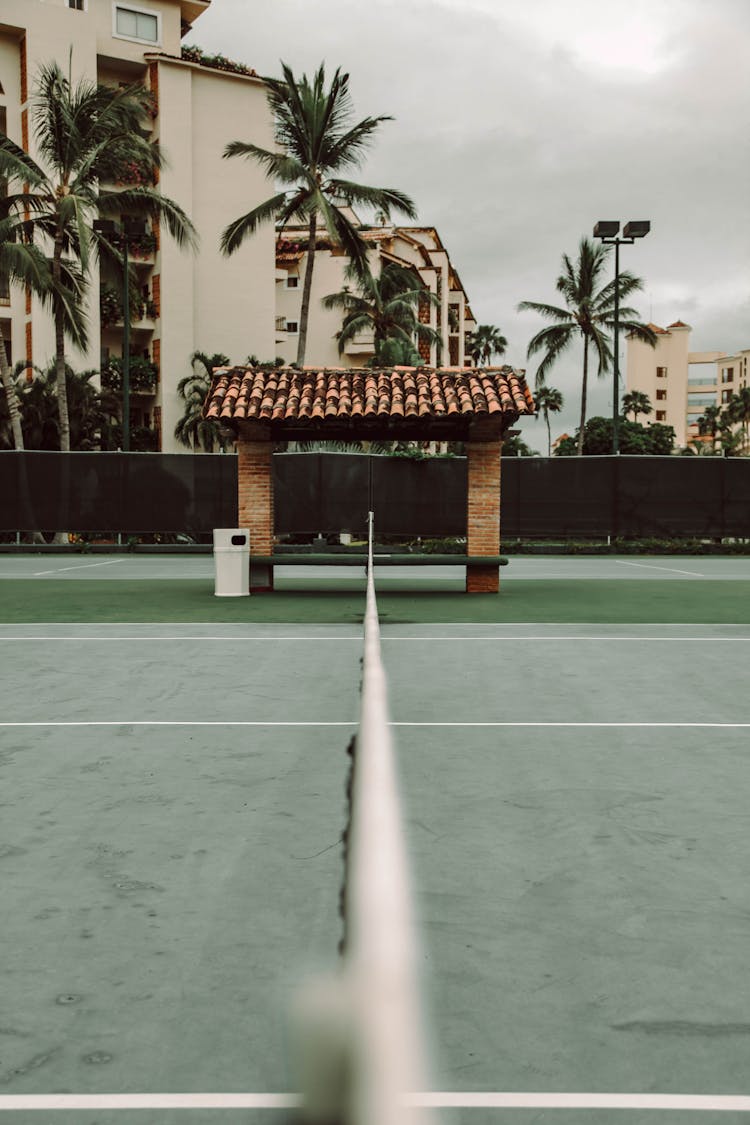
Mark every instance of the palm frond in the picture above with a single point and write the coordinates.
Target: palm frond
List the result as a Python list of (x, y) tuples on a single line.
[(278, 165), (348, 149), (16, 164), (238, 230), (552, 312)]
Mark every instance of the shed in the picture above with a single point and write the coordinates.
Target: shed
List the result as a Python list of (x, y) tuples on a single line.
[(474, 405)]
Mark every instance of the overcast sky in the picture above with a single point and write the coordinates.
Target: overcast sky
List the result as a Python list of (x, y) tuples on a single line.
[(519, 123)]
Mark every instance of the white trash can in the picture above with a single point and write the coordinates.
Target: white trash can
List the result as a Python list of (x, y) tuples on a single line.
[(231, 562)]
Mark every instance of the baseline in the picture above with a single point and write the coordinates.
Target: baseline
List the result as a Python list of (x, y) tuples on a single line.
[(730, 1103)]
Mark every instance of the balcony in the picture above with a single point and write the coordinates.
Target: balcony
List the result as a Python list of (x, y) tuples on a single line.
[(144, 375), (361, 345), (143, 310)]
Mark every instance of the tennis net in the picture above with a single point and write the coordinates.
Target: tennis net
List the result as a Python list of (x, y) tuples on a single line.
[(373, 1009)]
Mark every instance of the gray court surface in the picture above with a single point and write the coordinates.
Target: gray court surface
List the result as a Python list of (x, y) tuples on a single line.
[(525, 567), (576, 799)]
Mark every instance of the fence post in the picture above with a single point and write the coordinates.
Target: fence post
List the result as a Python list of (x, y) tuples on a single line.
[(616, 497)]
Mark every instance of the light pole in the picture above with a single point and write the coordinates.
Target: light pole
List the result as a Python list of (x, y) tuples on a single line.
[(131, 229), (607, 231)]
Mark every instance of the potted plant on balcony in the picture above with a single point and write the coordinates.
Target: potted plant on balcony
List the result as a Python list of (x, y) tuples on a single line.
[(110, 305)]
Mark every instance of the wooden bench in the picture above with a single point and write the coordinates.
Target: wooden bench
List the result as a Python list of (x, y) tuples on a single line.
[(261, 566), (356, 559)]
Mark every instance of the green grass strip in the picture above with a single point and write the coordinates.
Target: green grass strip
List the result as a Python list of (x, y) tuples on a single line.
[(620, 602)]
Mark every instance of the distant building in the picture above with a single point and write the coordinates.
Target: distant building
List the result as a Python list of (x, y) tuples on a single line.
[(679, 383), (416, 248)]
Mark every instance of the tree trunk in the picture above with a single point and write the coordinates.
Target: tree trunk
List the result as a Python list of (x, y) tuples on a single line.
[(61, 382), (583, 393), (10, 396), (61, 386), (15, 422), (549, 434), (307, 290)]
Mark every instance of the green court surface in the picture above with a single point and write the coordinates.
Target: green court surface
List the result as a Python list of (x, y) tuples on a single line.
[(175, 588), (574, 761)]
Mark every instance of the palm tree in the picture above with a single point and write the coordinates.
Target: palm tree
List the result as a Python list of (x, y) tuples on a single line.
[(193, 429), (386, 306), (318, 142), (548, 401), (588, 312), (87, 136), (731, 440), (485, 342), (709, 421), (738, 410), (635, 403), (21, 263), (38, 404)]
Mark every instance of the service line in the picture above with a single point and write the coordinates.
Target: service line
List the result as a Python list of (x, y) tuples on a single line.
[(358, 637), (354, 722)]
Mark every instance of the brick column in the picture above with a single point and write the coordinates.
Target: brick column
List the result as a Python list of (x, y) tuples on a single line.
[(255, 504), (483, 514)]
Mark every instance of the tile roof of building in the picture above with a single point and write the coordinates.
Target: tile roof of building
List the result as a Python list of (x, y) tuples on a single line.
[(290, 397)]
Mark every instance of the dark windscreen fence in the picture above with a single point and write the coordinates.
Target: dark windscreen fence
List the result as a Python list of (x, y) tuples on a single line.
[(425, 497), (632, 497), (332, 492), (117, 492), (321, 492), (558, 498), (570, 497)]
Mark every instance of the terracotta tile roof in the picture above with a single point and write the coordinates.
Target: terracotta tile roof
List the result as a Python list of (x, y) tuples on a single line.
[(293, 397)]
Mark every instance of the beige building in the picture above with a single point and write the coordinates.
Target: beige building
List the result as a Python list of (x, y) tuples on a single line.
[(679, 383), (416, 248), (189, 301)]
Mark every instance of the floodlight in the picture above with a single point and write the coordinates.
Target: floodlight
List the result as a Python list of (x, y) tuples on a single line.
[(606, 229), (636, 228)]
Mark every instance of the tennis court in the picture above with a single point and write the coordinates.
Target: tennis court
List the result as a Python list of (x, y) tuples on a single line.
[(575, 801)]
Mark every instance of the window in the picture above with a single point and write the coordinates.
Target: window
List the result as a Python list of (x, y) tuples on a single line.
[(697, 398), (661, 415), (77, 5), (292, 281), (137, 23), (660, 395), (661, 373), (725, 396), (292, 326), (727, 374)]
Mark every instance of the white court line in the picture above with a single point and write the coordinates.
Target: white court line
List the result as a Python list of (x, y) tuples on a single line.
[(491, 1100), (184, 723), (728, 1103), (649, 726), (83, 566), (357, 637), (652, 566), (352, 723), (244, 640)]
